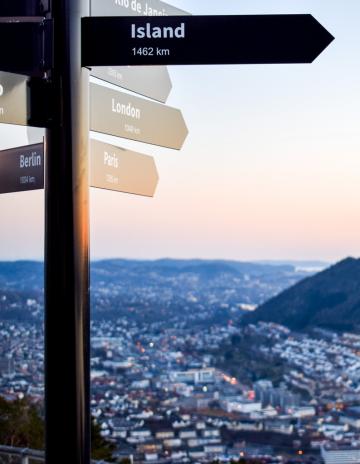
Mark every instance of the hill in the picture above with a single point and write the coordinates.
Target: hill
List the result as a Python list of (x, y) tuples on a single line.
[(329, 299), (155, 290)]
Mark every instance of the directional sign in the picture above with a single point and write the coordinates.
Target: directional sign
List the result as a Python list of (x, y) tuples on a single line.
[(23, 7), (25, 46), (22, 169), (151, 81), (133, 8), (114, 168), (202, 40), (122, 115), (13, 99)]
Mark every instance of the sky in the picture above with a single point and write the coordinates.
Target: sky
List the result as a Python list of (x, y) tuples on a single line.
[(270, 168)]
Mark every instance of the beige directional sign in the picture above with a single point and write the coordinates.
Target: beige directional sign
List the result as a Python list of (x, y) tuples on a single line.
[(114, 168), (122, 115), (134, 8), (22, 169), (151, 81), (13, 99)]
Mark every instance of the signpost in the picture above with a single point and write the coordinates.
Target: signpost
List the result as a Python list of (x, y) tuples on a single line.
[(123, 115), (120, 170), (66, 43), (150, 81), (190, 40), (22, 169), (13, 99)]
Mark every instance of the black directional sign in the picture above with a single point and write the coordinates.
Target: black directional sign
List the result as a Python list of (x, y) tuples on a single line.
[(22, 169), (181, 40), (23, 7), (25, 46)]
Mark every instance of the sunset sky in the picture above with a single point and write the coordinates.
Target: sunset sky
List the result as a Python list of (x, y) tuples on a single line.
[(270, 169)]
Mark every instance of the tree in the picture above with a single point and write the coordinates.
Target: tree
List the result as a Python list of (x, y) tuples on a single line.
[(21, 424), (101, 449)]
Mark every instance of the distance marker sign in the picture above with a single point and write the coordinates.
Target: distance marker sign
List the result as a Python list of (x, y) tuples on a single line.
[(122, 115), (187, 40), (22, 169), (113, 168), (13, 99), (150, 81)]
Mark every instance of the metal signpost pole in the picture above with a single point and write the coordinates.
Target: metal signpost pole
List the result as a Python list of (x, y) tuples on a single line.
[(67, 245)]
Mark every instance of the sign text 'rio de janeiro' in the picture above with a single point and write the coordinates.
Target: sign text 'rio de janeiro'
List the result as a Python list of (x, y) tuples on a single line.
[(134, 8)]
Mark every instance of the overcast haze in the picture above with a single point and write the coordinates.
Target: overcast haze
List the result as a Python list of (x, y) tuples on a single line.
[(270, 169)]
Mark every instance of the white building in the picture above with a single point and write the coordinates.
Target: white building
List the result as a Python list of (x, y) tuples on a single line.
[(194, 376), (340, 454)]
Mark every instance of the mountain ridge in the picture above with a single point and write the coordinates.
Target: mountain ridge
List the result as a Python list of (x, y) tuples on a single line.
[(329, 299)]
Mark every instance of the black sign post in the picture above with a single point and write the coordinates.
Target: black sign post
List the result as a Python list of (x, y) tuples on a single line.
[(195, 40), (67, 327)]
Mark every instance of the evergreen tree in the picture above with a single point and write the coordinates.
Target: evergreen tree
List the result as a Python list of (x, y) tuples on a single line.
[(101, 449), (22, 426)]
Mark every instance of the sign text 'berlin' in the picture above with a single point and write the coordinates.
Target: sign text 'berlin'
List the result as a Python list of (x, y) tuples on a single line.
[(22, 169)]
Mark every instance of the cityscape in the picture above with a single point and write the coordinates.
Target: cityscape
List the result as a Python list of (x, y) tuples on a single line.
[(179, 189), (176, 376)]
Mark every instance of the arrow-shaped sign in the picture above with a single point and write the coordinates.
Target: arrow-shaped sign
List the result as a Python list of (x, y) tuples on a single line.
[(22, 169), (150, 81), (114, 168), (25, 46), (9, 8), (13, 99), (134, 8), (185, 40), (24, 101), (122, 115), (153, 82)]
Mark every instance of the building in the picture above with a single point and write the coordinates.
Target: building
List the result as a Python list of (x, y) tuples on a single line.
[(194, 376), (340, 454)]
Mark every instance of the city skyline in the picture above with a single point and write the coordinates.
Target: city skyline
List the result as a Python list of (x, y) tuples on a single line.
[(269, 170)]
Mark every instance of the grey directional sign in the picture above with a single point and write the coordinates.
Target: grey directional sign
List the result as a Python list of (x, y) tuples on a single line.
[(117, 169), (151, 81), (134, 8), (22, 169), (13, 99), (122, 115)]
